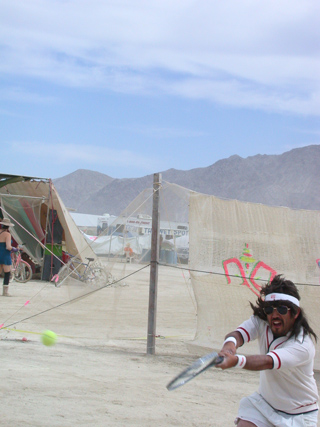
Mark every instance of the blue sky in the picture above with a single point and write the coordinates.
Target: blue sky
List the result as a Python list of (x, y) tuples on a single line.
[(133, 87)]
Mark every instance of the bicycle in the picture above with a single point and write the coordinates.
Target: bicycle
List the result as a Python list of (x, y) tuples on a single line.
[(85, 272), (21, 270)]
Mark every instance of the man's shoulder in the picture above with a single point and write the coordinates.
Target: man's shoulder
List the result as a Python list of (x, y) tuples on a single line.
[(252, 328), (302, 342), (260, 322), (255, 320), (304, 339)]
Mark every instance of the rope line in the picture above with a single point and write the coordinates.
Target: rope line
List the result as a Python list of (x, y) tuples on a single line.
[(33, 296), (75, 299), (222, 274)]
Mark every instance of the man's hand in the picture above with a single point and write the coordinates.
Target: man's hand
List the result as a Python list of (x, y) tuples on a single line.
[(229, 348), (232, 342), (229, 360)]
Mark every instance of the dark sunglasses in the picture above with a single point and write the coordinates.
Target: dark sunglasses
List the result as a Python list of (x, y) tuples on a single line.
[(281, 309)]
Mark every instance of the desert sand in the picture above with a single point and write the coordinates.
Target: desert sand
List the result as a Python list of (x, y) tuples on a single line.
[(98, 372)]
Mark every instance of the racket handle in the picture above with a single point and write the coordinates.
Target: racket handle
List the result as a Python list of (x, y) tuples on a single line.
[(219, 360)]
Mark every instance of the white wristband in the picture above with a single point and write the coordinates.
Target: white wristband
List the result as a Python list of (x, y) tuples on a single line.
[(242, 360), (231, 339)]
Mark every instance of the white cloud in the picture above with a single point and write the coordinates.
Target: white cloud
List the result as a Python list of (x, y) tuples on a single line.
[(15, 93), (82, 154), (253, 54)]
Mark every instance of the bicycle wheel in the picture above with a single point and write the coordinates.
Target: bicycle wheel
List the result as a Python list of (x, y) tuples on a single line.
[(65, 272), (23, 272), (95, 276), (62, 274)]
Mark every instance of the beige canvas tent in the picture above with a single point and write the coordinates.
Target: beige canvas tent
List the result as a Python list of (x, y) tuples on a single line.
[(43, 224)]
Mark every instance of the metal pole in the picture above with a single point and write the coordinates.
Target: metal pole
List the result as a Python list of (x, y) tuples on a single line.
[(154, 265)]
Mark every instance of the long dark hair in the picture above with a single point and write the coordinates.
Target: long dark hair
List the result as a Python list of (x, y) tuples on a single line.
[(280, 285)]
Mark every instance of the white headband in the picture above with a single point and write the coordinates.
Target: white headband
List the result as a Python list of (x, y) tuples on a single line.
[(282, 297)]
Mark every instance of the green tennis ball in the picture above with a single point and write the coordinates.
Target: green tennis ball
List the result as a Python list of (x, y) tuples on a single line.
[(48, 338)]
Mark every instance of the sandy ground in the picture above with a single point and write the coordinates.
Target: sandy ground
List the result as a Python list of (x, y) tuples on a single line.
[(98, 373)]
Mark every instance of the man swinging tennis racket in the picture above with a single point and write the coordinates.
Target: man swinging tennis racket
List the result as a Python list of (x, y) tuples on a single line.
[(288, 394)]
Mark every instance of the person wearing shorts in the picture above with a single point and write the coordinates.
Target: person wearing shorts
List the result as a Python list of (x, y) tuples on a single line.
[(5, 257), (288, 394)]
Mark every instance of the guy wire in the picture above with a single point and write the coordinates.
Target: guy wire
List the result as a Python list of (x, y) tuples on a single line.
[(75, 299)]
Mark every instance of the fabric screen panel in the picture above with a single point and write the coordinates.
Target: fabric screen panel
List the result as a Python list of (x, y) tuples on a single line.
[(75, 241), (235, 247), (26, 216), (48, 198)]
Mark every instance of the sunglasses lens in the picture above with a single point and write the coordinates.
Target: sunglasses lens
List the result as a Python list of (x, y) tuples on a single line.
[(282, 309), (268, 310)]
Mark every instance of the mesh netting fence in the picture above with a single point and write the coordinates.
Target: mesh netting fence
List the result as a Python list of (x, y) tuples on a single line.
[(214, 255), (235, 247)]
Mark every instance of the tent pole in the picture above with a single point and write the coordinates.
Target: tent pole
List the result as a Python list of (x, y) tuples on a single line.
[(154, 265)]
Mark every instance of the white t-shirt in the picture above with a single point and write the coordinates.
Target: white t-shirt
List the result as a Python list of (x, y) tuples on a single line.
[(290, 386)]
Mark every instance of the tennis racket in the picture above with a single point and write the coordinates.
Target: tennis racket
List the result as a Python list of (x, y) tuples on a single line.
[(195, 369)]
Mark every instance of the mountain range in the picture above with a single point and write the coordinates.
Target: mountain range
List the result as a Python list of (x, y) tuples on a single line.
[(290, 179)]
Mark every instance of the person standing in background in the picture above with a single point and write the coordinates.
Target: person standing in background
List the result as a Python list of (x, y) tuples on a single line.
[(5, 257)]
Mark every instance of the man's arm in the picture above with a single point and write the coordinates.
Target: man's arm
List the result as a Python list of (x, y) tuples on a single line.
[(232, 342), (230, 345), (257, 362)]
